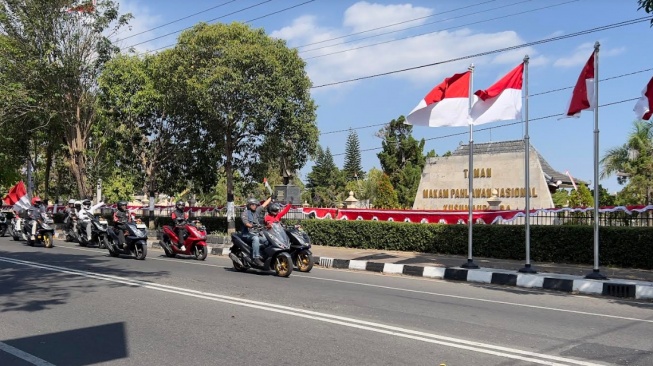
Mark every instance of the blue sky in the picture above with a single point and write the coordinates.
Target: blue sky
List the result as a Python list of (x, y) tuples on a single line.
[(444, 32)]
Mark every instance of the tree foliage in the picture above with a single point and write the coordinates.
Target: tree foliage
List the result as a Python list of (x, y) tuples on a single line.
[(647, 6), (326, 182), (352, 168), (386, 197)]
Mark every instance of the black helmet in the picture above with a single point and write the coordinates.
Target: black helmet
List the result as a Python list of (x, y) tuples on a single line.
[(180, 205), (274, 209), (86, 204), (252, 201), (122, 205)]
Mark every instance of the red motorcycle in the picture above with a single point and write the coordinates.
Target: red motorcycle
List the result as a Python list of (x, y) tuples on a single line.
[(194, 242)]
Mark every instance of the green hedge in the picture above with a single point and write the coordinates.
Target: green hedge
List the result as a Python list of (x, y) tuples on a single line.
[(619, 246)]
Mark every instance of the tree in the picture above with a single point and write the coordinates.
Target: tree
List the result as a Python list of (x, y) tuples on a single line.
[(581, 197), (251, 95), (560, 198), (325, 181), (647, 5), (402, 159), (52, 59), (386, 197), (352, 167)]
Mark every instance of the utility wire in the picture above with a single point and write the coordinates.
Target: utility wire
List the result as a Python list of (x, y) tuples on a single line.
[(523, 45), (220, 17), (393, 24), (177, 20), (247, 21), (530, 95), (425, 24), (500, 126)]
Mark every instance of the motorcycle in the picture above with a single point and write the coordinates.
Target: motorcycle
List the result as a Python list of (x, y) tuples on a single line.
[(194, 241), (72, 234), (44, 231), (99, 234), (276, 254), (300, 248), (3, 224), (135, 242), (16, 229)]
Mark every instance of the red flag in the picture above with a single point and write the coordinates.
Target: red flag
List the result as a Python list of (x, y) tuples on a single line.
[(501, 101), (87, 7), (17, 197), (644, 107), (582, 97), (445, 105)]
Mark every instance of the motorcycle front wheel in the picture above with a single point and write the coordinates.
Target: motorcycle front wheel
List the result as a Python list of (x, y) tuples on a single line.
[(283, 265), (200, 252), (103, 243), (304, 261), (140, 251), (3, 231), (47, 240)]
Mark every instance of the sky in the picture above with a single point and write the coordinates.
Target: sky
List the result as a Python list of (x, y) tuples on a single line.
[(341, 40)]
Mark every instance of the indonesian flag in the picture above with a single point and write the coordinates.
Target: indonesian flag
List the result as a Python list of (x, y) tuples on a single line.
[(86, 7), (446, 105), (17, 197), (502, 101), (645, 103), (583, 96)]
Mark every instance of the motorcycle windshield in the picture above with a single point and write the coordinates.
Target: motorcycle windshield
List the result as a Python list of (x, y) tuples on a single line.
[(277, 234)]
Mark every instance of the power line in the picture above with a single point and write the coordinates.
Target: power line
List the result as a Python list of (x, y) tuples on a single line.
[(422, 25), (178, 20), (220, 17), (393, 24), (530, 95), (247, 21), (495, 127), (523, 45)]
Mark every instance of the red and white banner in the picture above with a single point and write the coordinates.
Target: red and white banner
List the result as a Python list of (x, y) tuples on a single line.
[(445, 105), (501, 101), (644, 106), (17, 197)]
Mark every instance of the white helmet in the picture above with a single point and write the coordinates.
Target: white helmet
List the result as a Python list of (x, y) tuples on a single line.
[(71, 201), (78, 205)]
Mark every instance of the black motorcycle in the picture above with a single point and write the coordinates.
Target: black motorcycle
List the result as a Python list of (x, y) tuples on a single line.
[(276, 254), (99, 234), (4, 225), (72, 228), (44, 231), (135, 242), (300, 248)]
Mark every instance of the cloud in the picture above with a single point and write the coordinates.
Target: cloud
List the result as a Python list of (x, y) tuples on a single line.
[(582, 53), (363, 15)]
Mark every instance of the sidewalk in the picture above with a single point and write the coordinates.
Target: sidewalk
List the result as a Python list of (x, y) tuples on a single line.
[(622, 282)]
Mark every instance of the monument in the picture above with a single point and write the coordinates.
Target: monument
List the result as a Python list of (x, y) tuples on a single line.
[(498, 177), (287, 192)]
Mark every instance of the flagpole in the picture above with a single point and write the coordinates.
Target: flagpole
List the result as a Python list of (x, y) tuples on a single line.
[(527, 160), (596, 274), (470, 175)]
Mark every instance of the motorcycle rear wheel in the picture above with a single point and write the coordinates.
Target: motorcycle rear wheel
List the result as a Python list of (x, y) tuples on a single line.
[(3, 231), (200, 252), (283, 265), (304, 261)]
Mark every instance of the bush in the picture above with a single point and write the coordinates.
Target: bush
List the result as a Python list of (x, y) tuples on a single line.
[(619, 246)]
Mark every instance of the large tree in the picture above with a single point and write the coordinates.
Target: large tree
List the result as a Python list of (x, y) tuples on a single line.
[(252, 95), (52, 59), (402, 159), (325, 181), (352, 167)]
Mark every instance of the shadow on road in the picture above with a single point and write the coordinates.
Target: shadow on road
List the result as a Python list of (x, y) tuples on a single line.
[(77, 347)]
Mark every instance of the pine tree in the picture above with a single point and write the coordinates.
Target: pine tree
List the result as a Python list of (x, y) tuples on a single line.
[(325, 180), (352, 168)]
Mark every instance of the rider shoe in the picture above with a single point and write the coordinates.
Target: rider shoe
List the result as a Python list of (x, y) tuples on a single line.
[(32, 237), (182, 248), (259, 262)]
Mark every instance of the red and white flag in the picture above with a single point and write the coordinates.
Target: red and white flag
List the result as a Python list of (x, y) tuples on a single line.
[(17, 197), (446, 105), (502, 101), (582, 97), (644, 107), (85, 7)]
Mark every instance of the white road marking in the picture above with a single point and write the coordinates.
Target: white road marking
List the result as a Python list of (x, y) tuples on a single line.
[(506, 352), (24, 355)]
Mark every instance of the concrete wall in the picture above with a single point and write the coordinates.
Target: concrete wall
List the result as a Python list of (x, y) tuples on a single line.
[(444, 184)]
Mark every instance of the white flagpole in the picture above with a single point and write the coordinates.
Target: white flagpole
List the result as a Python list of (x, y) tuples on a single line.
[(527, 150), (596, 274), (470, 175)]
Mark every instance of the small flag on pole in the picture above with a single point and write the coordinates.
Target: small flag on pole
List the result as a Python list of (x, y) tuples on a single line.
[(502, 101), (582, 97), (445, 105)]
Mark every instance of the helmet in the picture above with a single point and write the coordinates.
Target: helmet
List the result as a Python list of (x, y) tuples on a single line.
[(274, 209), (86, 204), (122, 205), (78, 205), (180, 205), (36, 201), (252, 201), (71, 202)]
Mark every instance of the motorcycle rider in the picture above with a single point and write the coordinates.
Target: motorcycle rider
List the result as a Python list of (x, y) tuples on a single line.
[(179, 217), (252, 228), (85, 215), (34, 214), (275, 213), (69, 212), (120, 219)]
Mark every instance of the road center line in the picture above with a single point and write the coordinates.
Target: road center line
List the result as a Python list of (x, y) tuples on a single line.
[(480, 347), (24, 355)]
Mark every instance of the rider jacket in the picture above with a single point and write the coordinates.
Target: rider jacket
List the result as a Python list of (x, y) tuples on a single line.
[(121, 217), (252, 217), (86, 215), (179, 217), (34, 213)]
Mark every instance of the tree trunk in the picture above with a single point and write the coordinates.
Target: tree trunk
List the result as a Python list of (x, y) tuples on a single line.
[(77, 139), (48, 166), (228, 168)]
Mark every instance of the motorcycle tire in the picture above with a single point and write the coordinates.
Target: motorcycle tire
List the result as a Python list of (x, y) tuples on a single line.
[(200, 252), (3, 231), (283, 265), (103, 243), (238, 267), (140, 252), (48, 240), (304, 261), (82, 243)]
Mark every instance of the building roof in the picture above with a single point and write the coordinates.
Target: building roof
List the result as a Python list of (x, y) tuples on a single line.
[(551, 175)]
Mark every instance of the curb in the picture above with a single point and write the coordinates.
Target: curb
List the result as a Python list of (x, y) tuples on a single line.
[(557, 282)]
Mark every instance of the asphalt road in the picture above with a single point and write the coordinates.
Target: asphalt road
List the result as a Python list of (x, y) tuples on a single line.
[(78, 306)]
